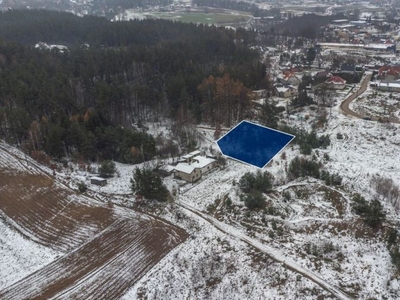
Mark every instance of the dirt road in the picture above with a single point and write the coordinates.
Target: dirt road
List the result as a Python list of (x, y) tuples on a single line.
[(344, 106), (345, 109)]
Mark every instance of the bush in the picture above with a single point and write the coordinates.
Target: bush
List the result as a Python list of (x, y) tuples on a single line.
[(286, 195), (254, 201), (149, 185), (375, 214), (339, 136), (331, 179), (107, 169), (260, 182), (301, 167), (372, 212), (82, 187)]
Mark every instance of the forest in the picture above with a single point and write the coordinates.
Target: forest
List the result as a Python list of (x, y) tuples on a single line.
[(82, 102)]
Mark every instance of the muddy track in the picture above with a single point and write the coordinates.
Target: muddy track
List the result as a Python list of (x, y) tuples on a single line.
[(106, 249)]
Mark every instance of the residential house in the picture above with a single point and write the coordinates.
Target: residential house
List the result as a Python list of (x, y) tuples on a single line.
[(389, 73), (194, 167), (289, 78), (335, 83), (321, 76), (187, 172), (348, 68), (387, 86), (285, 91), (258, 94)]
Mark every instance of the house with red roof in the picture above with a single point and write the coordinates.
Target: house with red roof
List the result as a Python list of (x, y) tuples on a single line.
[(290, 78), (389, 73), (335, 83)]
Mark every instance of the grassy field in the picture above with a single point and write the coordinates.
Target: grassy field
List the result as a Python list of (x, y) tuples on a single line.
[(205, 18)]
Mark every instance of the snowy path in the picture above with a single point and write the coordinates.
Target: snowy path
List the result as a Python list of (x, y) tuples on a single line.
[(274, 254)]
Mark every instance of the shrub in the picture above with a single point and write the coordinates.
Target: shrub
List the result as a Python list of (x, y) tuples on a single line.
[(301, 167), (149, 185), (372, 212), (107, 169), (339, 136), (82, 187), (286, 195), (260, 182), (254, 201), (375, 214)]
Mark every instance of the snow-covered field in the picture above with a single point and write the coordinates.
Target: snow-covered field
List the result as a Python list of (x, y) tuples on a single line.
[(20, 256)]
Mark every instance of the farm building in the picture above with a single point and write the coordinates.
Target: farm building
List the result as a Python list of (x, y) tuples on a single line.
[(98, 181), (194, 167)]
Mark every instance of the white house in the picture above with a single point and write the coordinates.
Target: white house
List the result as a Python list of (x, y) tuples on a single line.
[(335, 83), (285, 91), (194, 167)]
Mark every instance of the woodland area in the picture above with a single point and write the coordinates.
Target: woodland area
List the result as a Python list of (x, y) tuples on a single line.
[(83, 101)]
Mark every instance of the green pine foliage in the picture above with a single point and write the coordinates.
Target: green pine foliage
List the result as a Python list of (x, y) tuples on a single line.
[(253, 185), (307, 140), (149, 185), (258, 182), (82, 187), (302, 167), (372, 212), (107, 169), (86, 99), (254, 200)]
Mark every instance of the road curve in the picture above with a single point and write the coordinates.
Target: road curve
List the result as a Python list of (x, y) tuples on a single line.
[(345, 109), (344, 106)]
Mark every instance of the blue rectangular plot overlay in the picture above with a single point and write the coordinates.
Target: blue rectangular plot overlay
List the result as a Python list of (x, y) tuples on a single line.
[(253, 144)]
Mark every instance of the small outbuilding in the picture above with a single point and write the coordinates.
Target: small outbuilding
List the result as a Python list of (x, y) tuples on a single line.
[(98, 181)]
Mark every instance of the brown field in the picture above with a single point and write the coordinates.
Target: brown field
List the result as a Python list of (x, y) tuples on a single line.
[(106, 250)]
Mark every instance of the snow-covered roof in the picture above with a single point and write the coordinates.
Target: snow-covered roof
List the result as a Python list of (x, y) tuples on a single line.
[(281, 89), (201, 161), (191, 154), (336, 80), (184, 168), (97, 178)]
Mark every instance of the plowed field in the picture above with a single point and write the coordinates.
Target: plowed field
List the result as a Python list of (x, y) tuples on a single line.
[(106, 250)]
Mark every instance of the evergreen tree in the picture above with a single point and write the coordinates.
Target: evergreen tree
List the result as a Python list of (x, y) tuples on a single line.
[(149, 185)]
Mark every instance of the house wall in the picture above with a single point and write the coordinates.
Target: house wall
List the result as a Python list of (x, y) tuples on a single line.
[(192, 177), (208, 168), (289, 93), (389, 88), (335, 86), (98, 182), (294, 80)]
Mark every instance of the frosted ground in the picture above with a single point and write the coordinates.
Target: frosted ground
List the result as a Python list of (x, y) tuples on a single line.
[(213, 264), (361, 266)]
